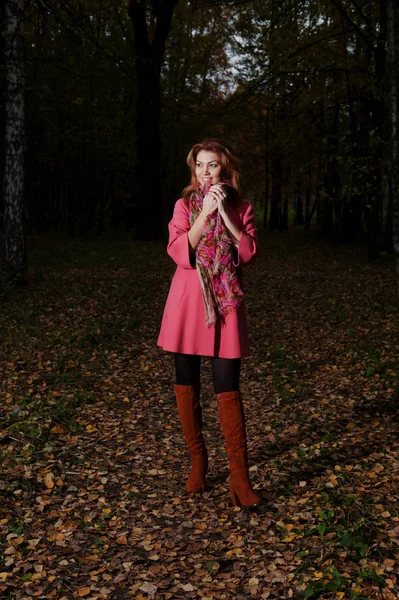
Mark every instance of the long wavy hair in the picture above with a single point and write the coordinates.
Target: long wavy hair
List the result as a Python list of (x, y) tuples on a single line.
[(228, 162)]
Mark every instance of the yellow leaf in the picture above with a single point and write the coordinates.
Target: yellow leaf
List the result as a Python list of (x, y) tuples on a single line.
[(388, 563), (57, 429), (121, 540), (289, 538), (18, 541), (83, 591), (147, 546), (48, 480)]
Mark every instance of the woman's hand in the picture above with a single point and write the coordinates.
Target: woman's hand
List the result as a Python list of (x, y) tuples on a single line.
[(214, 199)]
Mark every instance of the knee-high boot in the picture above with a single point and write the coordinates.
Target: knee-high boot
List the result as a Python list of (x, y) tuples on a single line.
[(232, 419), (190, 413)]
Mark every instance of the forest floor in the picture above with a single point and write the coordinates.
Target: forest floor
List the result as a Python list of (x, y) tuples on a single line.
[(93, 461)]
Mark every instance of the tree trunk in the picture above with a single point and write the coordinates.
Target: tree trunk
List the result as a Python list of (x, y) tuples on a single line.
[(299, 218), (277, 182), (266, 196), (267, 169), (14, 172), (377, 111), (2, 107), (148, 204), (393, 51), (308, 191), (316, 205), (331, 183)]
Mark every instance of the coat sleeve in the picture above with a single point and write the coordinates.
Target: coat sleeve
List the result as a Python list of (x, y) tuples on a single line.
[(178, 246), (248, 247)]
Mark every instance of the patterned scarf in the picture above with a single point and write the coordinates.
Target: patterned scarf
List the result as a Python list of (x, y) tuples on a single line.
[(220, 287)]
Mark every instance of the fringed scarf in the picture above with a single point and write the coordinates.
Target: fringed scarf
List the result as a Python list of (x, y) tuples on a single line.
[(220, 287)]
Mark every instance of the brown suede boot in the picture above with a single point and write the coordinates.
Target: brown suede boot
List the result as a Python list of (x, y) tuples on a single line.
[(190, 413), (232, 419)]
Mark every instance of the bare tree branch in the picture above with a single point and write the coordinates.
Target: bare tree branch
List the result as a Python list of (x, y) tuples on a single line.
[(341, 9)]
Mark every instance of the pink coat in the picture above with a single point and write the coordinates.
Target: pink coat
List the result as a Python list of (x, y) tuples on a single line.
[(182, 327)]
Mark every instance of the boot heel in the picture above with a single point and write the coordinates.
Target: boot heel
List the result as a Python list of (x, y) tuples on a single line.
[(233, 425), (234, 497)]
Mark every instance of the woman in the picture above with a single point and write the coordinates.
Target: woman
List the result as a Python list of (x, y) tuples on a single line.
[(211, 236)]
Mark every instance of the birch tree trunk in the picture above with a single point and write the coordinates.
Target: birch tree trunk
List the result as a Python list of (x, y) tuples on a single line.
[(14, 173), (393, 51)]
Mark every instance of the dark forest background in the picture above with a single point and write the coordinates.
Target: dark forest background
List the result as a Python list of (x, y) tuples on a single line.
[(118, 91), (100, 102)]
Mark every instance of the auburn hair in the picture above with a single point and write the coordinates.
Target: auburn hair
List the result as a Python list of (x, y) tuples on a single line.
[(228, 161)]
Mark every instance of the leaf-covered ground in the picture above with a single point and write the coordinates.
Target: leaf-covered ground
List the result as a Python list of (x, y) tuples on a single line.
[(93, 462)]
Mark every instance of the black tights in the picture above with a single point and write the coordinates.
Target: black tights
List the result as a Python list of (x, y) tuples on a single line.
[(225, 372)]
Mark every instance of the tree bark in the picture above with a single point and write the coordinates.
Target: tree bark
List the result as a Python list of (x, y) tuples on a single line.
[(14, 171), (308, 191), (266, 193), (299, 218), (267, 185), (331, 185), (2, 108), (393, 52), (285, 197), (373, 209), (277, 183), (148, 204)]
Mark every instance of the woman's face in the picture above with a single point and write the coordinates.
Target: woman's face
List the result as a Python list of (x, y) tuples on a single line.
[(208, 168)]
